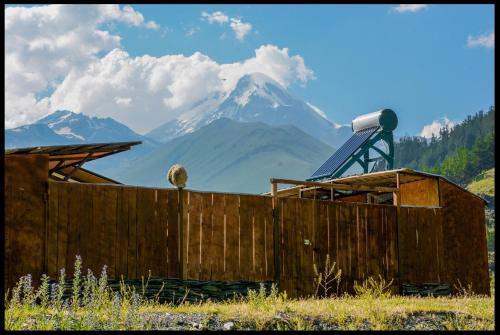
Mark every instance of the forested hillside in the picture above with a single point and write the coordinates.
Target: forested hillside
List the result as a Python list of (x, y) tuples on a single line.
[(459, 154)]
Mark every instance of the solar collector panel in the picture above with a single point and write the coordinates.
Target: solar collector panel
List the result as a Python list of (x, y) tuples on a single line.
[(344, 152)]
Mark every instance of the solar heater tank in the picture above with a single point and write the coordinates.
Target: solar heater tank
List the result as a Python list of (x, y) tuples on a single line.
[(384, 118)]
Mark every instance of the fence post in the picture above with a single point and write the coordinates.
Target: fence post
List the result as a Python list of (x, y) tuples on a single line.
[(397, 202), (276, 233)]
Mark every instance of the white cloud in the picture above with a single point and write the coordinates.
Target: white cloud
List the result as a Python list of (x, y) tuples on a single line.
[(241, 29), (408, 8), (487, 41), (54, 49), (218, 17), (123, 102), (152, 25), (44, 43), (435, 126), (164, 87), (191, 31)]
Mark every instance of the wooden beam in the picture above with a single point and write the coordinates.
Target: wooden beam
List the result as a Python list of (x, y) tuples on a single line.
[(335, 186), (276, 234), (397, 202)]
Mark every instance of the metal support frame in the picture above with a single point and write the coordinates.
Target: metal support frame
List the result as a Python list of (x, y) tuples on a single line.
[(362, 156)]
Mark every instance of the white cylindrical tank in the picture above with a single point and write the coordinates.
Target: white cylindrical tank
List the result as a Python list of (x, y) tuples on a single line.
[(384, 118)]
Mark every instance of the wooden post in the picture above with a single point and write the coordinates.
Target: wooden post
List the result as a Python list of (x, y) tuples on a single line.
[(276, 233), (182, 238), (397, 202)]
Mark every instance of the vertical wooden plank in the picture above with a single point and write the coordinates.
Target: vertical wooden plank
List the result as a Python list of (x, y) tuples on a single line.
[(173, 240), (361, 242), (217, 249), (121, 234), (130, 201), (269, 238), (232, 236), (145, 225), (305, 247), (259, 241), (392, 237), (162, 210), (74, 223), (193, 235), (206, 253), (52, 229), (155, 237), (246, 265), (87, 244), (294, 249), (62, 229), (110, 231), (98, 233)]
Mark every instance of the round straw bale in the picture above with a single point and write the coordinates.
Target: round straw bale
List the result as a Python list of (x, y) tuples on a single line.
[(177, 176)]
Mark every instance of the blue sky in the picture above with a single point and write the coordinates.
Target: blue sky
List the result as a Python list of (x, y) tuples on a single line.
[(424, 63)]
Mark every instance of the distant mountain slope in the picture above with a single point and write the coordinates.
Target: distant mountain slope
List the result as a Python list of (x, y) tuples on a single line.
[(65, 127), (256, 98), (232, 157)]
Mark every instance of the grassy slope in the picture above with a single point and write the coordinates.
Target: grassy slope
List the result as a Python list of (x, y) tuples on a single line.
[(484, 183)]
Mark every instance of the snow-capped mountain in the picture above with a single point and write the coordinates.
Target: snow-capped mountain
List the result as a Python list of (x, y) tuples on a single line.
[(65, 127), (256, 98)]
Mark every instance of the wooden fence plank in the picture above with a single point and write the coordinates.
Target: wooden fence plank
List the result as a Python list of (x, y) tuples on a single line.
[(217, 249), (232, 237), (62, 229), (206, 256), (246, 265), (130, 199), (259, 240), (121, 234), (74, 224), (173, 240), (52, 226), (193, 231)]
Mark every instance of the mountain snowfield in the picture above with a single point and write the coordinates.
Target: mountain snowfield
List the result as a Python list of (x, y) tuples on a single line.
[(233, 141), (256, 98)]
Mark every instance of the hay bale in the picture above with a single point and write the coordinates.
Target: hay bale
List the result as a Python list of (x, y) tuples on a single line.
[(177, 176)]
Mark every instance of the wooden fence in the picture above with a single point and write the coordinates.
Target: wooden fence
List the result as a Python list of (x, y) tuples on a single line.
[(217, 236), (129, 229), (361, 239)]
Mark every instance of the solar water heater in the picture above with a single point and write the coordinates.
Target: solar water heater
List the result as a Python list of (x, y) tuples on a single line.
[(368, 130)]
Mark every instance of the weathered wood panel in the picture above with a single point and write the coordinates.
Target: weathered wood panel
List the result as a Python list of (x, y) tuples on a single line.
[(228, 236), (423, 192), (464, 239), (25, 187), (125, 228), (359, 238)]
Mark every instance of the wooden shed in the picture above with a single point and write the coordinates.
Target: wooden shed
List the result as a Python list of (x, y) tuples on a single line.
[(446, 245)]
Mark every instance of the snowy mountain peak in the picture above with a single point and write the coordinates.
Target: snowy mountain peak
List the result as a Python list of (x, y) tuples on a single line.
[(256, 98), (259, 85)]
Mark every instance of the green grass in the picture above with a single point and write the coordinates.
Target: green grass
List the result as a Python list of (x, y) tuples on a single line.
[(484, 183), (97, 307)]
